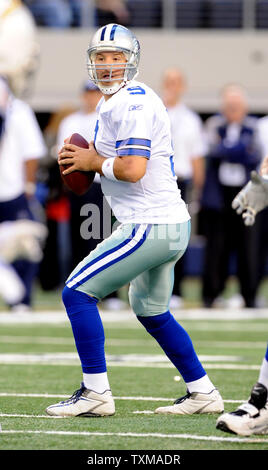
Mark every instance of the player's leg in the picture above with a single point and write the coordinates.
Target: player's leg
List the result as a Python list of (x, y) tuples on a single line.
[(111, 265), (94, 398), (149, 296), (250, 417), (82, 310)]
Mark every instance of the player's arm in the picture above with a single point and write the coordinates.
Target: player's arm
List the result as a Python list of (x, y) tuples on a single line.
[(128, 168)]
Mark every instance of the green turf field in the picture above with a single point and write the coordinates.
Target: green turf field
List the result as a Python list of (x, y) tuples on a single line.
[(39, 366)]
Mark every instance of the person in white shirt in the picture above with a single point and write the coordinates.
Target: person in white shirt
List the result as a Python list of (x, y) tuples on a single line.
[(133, 154), (186, 130), (189, 150), (19, 47), (84, 119), (22, 145)]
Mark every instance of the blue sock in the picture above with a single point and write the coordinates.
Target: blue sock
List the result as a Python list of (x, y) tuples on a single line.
[(87, 328), (176, 343), (266, 354)]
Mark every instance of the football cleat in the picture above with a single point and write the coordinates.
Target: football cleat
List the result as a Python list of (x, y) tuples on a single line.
[(249, 418), (195, 403), (84, 403)]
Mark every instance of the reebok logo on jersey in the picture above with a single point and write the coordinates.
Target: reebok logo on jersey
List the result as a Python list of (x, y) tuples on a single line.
[(135, 107)]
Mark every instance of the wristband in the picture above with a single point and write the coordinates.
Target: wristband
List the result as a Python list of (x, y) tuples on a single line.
[(107, 169)]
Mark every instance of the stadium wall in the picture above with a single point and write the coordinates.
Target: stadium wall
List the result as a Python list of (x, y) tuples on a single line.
[(210, 59)]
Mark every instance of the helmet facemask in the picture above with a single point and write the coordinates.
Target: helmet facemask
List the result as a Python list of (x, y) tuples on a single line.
[(129, 68)]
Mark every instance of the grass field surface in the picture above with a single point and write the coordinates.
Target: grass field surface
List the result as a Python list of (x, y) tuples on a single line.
[(39, 366)]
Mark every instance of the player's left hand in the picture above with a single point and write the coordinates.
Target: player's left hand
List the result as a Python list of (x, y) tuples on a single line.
[(78, 158), (252, 198)]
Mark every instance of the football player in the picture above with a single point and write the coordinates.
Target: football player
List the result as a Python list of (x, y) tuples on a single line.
[(132, 152), (251, 417)]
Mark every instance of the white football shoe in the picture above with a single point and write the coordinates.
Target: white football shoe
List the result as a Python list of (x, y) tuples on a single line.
[(195, 403), (249, 418), (84, 403)]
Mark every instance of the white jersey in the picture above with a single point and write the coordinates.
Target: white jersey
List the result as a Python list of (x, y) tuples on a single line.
[(22, 140), (187, 137), (134, 121)]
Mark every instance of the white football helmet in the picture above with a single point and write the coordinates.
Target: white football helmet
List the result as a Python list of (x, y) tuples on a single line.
[(113, 38)]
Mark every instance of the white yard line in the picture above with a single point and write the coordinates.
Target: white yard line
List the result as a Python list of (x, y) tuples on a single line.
[(17, 415), (60, 396), (242, 440), (125, 360), (137, 359)]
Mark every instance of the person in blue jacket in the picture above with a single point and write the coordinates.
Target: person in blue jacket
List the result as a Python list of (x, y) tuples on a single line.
[(234, 151)]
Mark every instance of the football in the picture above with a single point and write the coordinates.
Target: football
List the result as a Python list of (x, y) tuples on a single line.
[(78, 182)]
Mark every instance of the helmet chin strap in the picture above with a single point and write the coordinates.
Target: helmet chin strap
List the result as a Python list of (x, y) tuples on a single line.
[(111, 89)]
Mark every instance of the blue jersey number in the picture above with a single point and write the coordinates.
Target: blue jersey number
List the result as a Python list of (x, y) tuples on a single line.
[(136, 90), (172, 165), (96, 131)]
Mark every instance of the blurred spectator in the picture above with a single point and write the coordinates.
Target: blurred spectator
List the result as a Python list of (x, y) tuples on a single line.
[(21, 239), (19, 50), (55, 265), (52, 13), (22, 146), (189, 150), (83, 122), (234, 151), (79, 9), (112, 11)]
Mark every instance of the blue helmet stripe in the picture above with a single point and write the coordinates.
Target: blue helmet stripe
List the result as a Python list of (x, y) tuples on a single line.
[(112, 32), (103, 33)]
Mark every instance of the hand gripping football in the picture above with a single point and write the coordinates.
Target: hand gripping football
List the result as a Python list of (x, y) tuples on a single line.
[(78, 182)]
